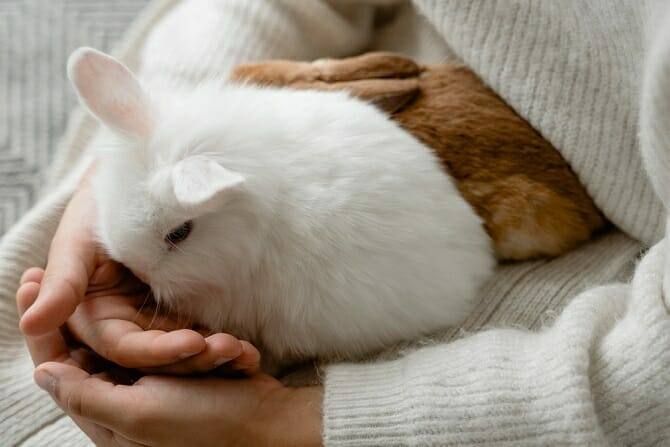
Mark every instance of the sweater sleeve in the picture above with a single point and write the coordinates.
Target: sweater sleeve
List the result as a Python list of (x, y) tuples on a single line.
[(600, 374), (199, 39)]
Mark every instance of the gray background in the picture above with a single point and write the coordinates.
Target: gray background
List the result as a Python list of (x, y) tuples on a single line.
[(36, 37)]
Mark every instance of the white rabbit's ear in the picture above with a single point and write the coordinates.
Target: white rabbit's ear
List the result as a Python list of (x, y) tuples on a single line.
[(110, 91), (202, 185)]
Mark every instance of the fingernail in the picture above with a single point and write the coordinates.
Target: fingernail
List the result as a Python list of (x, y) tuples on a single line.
[(186, 355), (45, 381)]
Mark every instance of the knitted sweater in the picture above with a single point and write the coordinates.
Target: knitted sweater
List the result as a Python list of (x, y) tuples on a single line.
[(597, 374)]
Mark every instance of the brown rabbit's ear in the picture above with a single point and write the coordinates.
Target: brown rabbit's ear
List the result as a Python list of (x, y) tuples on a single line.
[(387, 80), (389, 95), (394, 100), (368, 66)]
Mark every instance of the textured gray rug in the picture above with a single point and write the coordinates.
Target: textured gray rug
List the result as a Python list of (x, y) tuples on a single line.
[(36, 37)]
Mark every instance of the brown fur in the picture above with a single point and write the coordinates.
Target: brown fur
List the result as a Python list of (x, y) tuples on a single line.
[(531, 202)]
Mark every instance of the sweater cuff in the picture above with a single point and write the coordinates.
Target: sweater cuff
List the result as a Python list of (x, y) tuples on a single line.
[(366, 404), (500, 386)]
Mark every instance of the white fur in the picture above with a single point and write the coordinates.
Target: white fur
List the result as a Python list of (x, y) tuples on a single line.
[(341, 233)]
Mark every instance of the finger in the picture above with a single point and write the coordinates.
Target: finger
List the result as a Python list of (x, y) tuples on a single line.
[(45, 347), (107, 275), (126, 344), (26, 295), (105, 324), (112, 276), (249, 361), (220, 349), (33, 274), (81, 395), (131, 308), (101, 436), (72, 259)]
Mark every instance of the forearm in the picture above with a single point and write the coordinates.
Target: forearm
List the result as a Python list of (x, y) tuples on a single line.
[(600, 371), (500, 386)]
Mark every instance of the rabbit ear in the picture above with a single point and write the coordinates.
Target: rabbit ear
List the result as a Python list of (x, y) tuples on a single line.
[(110, 91), (202, 185), (388, 95)]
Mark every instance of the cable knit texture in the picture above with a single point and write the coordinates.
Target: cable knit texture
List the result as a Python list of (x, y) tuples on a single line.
[(551, 356)]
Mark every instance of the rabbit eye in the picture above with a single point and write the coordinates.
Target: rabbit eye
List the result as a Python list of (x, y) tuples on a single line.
[(177, 235)]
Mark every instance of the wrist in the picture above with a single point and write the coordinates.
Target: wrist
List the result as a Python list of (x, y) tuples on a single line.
[(298, 417)]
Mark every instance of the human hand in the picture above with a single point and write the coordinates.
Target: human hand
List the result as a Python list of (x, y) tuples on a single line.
[(171, 411), (73, 258), (166, 411), (116, 322)]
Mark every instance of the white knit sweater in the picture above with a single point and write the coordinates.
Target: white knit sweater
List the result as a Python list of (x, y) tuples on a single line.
[(597, 374)]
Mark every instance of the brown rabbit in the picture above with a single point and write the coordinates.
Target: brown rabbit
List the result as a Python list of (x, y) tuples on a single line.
[(531, 201)]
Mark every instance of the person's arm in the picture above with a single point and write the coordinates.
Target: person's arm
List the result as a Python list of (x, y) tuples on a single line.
[(600, 374)]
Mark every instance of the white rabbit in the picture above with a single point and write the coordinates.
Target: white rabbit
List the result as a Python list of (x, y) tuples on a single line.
[(306, 222)]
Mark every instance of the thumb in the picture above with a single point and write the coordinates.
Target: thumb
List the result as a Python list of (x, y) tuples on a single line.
[(72, 259), (81, 395)]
